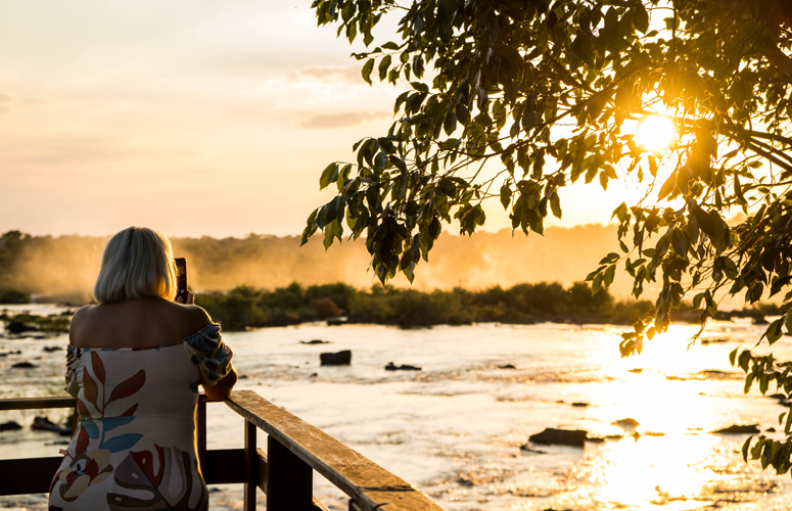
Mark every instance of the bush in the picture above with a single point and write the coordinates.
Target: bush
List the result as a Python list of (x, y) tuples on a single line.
[(14, 296)]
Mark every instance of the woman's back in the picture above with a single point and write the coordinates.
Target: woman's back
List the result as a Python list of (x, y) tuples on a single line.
[(136, 378), (135, 323)]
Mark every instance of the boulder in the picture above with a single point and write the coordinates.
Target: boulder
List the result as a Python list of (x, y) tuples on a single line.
[(50, 349), (527, 448), (580, 404), (23, 365), (316, 341), (44, 424), (341, 358), (10, 426), (738, 429), (627, 423), (17, 327), (770, 430), (507, 366), (392, 367), (552, 436)]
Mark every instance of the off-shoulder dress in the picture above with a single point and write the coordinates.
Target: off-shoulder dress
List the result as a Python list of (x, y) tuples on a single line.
[(134, 447)]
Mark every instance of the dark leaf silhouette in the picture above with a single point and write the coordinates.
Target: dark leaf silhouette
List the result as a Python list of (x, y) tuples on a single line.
[(98, 366), (130, 412), (129, 386), (90, 388)]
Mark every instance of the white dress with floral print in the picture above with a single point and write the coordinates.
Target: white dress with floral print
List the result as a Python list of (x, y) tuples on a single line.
[(134, 448)]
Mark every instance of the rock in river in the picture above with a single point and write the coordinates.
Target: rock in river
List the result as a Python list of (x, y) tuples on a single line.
[(23, 365), (552, 436), (507, 366), (393, 367), (737, 429), (10, 426), (341, 358), (316, 341), (44, 424), (627, 423)]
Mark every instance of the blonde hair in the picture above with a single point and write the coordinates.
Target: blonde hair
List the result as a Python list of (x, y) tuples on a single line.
[(137, 262)]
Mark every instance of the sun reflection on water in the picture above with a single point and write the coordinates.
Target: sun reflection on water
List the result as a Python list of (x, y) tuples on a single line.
[(669, 461)]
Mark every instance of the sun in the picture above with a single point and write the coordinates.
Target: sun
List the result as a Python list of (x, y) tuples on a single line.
[(655, 132)]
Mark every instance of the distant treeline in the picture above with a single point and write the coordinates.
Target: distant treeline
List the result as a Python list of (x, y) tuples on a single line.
[(245, 307)]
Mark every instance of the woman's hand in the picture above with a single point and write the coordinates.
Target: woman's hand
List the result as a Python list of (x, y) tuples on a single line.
[(190, 298)]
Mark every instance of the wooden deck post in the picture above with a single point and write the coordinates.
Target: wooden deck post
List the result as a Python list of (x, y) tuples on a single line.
[(251, 465), (289, 480)]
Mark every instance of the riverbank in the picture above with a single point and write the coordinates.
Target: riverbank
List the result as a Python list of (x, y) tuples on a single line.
[(246, 307)]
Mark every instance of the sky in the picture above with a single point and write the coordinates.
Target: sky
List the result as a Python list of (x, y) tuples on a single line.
[(193, 117)]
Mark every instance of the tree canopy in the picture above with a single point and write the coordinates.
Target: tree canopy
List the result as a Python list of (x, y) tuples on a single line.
[(513, 100)]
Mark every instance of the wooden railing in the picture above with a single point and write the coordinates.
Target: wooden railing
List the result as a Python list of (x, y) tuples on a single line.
[(285, 473)]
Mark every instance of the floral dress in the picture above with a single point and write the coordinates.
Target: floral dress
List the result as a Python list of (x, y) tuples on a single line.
[(134, 448)]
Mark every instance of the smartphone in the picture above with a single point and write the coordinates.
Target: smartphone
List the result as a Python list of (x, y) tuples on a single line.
[(181, 281)]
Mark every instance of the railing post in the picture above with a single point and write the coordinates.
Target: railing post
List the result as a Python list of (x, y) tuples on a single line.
[(289, 480), (251, 463), (200, 437)]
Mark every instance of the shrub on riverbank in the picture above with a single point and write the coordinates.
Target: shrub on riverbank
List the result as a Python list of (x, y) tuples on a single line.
[(13, 296)]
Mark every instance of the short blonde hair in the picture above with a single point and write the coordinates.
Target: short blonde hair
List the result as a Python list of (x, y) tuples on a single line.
[(137, 262)]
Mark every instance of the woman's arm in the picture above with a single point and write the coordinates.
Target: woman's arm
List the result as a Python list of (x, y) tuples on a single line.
[(222, 388)]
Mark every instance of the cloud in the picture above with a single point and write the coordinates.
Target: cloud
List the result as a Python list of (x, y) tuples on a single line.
[(347, 74), (340, 120), (6, 100)]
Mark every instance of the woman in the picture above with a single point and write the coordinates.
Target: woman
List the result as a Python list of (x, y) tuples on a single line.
[(135, 363)]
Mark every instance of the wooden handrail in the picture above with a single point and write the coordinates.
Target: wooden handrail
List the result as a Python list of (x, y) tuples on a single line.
[(295, 448), (371, 487)]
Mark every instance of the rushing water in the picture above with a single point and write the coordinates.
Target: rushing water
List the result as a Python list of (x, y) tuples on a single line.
[(455, 428)]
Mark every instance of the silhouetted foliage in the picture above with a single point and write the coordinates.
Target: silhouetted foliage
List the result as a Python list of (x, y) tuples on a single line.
[(245, 307), (540, 93)]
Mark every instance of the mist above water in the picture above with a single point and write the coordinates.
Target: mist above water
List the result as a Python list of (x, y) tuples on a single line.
[(65, 267)]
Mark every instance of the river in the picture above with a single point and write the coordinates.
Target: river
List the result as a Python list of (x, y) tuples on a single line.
[(455, 428)]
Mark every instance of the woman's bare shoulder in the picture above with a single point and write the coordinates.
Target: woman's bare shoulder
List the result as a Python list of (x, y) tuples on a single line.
[(193, 317), (80, 317)]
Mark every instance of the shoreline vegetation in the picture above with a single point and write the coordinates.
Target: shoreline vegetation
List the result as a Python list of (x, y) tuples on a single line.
[(246, 307)]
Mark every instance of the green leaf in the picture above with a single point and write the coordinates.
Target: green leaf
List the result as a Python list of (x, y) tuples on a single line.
[(383, 67), (368, 67), (329, 175), (640, 17), (555, 205), (774, 332), (609, 274), (745, 447), (505, 196)]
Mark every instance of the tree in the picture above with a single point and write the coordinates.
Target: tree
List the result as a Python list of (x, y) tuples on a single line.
[(493, 84)]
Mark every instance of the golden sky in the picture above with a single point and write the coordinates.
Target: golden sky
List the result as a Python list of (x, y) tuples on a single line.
[(194, 117)]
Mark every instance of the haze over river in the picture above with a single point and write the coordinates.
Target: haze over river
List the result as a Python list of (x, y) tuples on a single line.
[(455, 428)]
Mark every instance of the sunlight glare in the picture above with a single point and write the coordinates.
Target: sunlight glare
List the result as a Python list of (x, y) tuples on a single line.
[(655, 132)]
